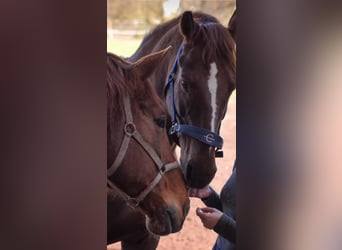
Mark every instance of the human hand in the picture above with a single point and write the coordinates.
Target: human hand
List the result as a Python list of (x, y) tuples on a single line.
[(200, 193), (209, 216)]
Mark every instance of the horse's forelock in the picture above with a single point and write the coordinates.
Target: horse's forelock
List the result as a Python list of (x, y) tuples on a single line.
[(218, 43), (118, 77), (122, 80), (211, 33)]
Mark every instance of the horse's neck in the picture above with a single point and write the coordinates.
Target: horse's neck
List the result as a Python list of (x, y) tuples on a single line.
[(157, 41), (152, 39), (146, 47)]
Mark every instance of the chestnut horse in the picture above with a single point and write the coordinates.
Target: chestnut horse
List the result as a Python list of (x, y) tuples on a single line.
[(142, 169), (195, 82)]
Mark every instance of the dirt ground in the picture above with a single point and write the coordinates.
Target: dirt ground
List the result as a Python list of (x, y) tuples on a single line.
[(193, 235)]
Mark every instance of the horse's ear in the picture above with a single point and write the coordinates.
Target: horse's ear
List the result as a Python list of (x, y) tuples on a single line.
[(232, 25), (146, 65), (187, 25)]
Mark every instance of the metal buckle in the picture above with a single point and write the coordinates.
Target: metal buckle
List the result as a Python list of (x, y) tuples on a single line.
[(219, 153), (173, 129)]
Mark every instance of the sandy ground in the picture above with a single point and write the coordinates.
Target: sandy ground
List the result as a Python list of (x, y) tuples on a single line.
[(193, 235)]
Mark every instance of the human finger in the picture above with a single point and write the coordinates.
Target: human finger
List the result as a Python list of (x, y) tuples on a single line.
[(208, 210)]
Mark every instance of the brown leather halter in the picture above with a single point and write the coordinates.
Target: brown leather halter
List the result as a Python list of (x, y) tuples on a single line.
[(131, 132)]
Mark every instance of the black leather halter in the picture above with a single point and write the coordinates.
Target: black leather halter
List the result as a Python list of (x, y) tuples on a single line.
[(203, 135)]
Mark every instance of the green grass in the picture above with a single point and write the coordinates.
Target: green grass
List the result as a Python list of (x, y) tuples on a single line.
[(123, 47)]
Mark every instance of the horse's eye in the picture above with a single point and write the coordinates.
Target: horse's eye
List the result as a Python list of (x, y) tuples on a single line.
[(185, 86), (161, 122)]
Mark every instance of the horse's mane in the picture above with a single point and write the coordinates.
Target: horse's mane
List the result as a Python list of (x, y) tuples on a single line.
[(211, 33), (173, 23)]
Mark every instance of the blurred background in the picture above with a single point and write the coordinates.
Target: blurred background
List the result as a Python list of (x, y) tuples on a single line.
[(129, 20)]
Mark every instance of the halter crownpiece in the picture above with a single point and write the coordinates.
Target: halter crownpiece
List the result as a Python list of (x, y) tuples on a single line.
[(203, 135)]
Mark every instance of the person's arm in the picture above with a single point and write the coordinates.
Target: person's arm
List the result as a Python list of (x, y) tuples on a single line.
[(221, 223), (226, 227)]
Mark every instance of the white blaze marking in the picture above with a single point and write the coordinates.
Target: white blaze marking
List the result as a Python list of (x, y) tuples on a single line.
[(212, 83)]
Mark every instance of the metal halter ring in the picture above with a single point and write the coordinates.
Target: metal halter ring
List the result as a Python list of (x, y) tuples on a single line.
[(162, 170), (129, 128), (133, 202)]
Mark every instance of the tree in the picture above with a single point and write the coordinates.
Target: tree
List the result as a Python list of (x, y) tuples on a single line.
[(149, 12)]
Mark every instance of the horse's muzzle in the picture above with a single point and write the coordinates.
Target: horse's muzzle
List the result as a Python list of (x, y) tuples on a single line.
[(170, 221), (199, 175)]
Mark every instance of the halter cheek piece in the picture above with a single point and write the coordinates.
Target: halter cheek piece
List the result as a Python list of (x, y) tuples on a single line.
[(203, 135), (131, 132)]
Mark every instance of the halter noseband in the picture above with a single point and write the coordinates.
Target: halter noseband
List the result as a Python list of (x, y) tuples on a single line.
[(131, 132), (203, 135)]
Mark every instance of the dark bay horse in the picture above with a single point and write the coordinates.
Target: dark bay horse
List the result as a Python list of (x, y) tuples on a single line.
[(142, 170), (195, 82)]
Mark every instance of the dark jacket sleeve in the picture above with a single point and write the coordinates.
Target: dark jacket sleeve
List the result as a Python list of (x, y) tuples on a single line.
[(213, 200), (226, 227)]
